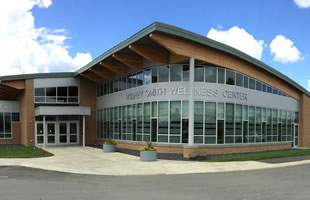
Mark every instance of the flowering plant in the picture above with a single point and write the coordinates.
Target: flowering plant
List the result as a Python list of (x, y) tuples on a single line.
[(109, 141), (148, 147)]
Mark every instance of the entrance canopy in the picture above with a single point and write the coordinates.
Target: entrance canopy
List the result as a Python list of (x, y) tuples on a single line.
[(62, 110)]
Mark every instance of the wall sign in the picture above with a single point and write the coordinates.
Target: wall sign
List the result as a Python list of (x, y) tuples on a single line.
[(175, 91)]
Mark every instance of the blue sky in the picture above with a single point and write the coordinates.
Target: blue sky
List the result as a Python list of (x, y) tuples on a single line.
[(91, 27)]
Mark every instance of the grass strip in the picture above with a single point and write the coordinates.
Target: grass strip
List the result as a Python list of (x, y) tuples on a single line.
[(23, 152), (263, 155)]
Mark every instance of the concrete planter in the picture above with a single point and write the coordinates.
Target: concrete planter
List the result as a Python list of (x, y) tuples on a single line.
[(108, 148), (148, 156)]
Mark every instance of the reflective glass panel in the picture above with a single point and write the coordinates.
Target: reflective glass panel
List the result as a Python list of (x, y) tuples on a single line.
[(230, 77), (175, 73), (163, 73), (210, 74), (199, 73)]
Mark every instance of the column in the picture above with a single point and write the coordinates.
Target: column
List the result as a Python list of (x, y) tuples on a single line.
[(44, 132), (83, 130), (191, 101)]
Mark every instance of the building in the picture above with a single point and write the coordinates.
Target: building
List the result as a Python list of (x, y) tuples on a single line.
[(184, 92)]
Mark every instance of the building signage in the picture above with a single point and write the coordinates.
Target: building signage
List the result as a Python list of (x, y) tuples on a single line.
[(174, 91)]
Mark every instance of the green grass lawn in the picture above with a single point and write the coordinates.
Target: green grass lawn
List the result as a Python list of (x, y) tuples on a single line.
[(23, 152), (263, 155)]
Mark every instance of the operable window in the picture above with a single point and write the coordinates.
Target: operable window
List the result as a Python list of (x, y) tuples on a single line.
[(57, 95)]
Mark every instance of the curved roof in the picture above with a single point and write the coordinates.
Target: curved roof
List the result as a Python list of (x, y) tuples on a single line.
[(172, 30)]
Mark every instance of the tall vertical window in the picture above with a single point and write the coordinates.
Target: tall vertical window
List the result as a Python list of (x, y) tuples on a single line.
[(185, 73), (175, 121), (124, 82), (221, 75), (258, 86), (124, 120), (251, 124), (1, 126), (230, 77), (129, 122), (139, 79), (175, 73), (229, 130), (185, 122), (163, 74), (163, 121), (154, 75), (210, 122), (147, 122), (258, 120), (239, 80), (147, 77), (199, 73), (210, 74), (245, 82), (238, 124), (198, 122), (251, 83), (139, 121)]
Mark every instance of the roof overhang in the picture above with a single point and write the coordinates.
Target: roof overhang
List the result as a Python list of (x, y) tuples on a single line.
[(62, 110), (126, 56)]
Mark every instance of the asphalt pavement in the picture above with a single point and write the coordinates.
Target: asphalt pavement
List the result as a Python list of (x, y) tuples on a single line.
[(291, 183)]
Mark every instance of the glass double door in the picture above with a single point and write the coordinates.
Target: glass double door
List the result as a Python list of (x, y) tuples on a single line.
[(58, 133)]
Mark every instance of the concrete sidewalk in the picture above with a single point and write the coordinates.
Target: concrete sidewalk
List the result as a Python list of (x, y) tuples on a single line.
[(94, 161)]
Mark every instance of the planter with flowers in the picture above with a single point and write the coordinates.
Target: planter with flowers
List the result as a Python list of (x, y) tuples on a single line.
[(109, 145), (148, 152)]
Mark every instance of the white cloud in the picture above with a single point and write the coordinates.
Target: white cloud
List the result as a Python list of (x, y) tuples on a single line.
[(303, 3), (28, 49), (309, 85), (284, 50), (239, 39)]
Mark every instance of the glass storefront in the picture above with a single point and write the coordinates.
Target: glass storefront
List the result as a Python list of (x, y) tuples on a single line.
[(214, 123)]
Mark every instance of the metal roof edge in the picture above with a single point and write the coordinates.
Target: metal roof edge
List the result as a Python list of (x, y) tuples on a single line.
[(37, 75)]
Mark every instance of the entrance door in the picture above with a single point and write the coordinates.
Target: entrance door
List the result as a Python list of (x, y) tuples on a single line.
[(51, 132), (63, 133), (39, 133)]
